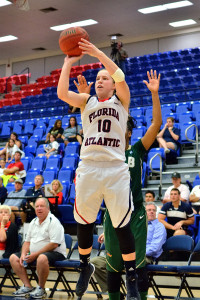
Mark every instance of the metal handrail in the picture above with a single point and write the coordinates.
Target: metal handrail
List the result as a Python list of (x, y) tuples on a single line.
[(157, 172), (196, 140)]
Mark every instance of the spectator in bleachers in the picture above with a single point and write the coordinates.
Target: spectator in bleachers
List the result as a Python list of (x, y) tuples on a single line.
[(195, 198), (179, 215), (51, 148), (2, 165), (15, 201), (56, 191), (3, 192), (168, 136), (184, 190), (33, 193), (8, 233), (150, 197), (11, 149), (56, 130), (13, 170), (18, 143), (44, 244), (73, 132)]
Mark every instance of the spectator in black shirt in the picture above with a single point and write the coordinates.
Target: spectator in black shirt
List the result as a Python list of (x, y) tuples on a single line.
[(3, 192), (57, 131), (179, 215)]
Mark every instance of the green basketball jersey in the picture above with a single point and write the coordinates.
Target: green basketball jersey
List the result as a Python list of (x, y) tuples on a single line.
[(134, 158)]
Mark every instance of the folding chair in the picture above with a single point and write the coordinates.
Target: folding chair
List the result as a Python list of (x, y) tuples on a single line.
[(172, 249), (70, 265), (189, 271)]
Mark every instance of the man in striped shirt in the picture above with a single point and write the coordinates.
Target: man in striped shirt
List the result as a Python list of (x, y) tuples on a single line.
[(179, 215)]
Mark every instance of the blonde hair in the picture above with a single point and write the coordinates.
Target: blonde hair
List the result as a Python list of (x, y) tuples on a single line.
[(60, 188), (6, 207)]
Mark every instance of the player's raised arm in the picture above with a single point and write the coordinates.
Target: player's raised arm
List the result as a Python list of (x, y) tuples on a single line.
[(153, 86), (122, 89), (74, 99)]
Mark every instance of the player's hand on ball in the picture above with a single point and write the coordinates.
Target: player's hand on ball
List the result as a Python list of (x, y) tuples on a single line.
[(72, 59), (88, 48)]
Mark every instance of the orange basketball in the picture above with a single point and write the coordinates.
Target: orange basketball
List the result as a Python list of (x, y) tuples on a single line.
[(69, 38)]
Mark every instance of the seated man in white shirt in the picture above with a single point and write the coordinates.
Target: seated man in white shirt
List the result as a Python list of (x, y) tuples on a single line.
[(45, 244), (184, 190), (195, 198)]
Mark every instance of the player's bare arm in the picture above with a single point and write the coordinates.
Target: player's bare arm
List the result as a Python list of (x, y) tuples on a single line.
[(74, 99), (153, 85), (122, 89)]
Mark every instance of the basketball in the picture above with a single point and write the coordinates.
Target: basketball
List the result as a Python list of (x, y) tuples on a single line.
[(69, 38)]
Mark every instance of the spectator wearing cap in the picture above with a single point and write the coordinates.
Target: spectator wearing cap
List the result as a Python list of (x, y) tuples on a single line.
[(184, 190), (150, 197), (14, 200), (179, 215)]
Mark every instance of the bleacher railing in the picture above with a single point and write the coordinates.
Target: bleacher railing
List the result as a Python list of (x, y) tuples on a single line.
[(196, 141), (157, 172)]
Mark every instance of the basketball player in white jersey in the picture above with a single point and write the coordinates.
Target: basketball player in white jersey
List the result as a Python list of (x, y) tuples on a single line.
[(102, 172)]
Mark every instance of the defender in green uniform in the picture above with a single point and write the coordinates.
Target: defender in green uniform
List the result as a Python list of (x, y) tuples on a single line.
[(134, 158)]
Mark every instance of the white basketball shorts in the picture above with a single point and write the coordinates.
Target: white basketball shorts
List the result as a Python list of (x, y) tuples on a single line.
[(96, 181)]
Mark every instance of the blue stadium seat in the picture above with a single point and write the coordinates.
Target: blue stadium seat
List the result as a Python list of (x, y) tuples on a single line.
[(19, 126), (39, 131), (53, 120), (39, 163), (156, 160), (191, 132), (30, 176), (53, 161), (24, 140), (26, 162), (186, 117), (70, 149), (138, 111), (40, 150), (138, 132), (72, 194), (30, 151), (67, 214), (49, 175), (182, 107), (65, 191), (65, 175), (70, 162), (6, 129)]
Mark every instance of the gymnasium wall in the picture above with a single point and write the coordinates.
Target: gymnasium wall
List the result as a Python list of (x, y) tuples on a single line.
[(43, 66)]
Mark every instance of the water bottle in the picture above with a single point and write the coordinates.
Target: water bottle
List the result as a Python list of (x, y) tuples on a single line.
[(25, 264)]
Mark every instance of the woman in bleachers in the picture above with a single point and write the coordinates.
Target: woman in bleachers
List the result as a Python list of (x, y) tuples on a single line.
[(73, 132), (56, 130), (51, 148), (11, 149), (18, 143), (56, 191), (8, 233)]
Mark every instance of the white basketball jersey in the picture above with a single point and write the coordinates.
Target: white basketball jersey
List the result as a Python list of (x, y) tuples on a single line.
[(104, 126)]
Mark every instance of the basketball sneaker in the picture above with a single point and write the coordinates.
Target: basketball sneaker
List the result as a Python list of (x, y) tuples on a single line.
[(132, 288), (38, 293), (23, 291), (84, 279)]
